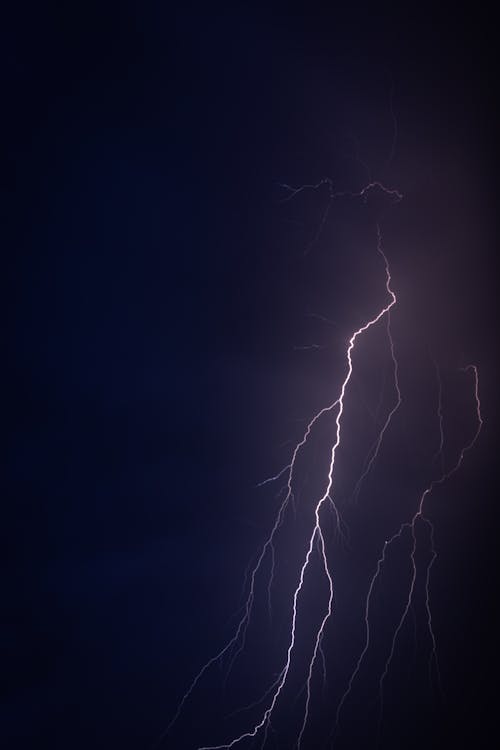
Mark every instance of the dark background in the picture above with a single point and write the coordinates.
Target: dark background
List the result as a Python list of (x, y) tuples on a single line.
[(157, 288)]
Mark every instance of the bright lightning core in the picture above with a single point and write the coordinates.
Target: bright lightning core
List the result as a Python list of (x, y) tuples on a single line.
[(319, 539)]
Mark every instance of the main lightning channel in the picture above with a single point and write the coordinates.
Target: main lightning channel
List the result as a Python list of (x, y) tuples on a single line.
[(235, 645), (316, 532)]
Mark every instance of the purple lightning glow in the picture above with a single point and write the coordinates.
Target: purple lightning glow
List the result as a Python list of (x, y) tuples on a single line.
[(236, 644)]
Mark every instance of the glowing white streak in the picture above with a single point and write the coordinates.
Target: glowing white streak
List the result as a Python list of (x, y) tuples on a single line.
[(317, 527), (243, 624)]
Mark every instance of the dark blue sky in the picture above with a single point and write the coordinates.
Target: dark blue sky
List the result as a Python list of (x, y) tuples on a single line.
[(157, 288)]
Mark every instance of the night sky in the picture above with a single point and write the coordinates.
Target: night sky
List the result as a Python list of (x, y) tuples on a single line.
[(159, 295)]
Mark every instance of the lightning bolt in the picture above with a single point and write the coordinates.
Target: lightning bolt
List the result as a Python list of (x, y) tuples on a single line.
[(316, 537)]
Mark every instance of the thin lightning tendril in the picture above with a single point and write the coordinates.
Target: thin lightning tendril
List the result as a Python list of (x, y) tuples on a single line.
[(375, 449), (411, 526), (420, 515)]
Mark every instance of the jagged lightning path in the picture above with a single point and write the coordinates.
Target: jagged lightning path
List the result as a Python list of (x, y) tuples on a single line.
[(236, 644)]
